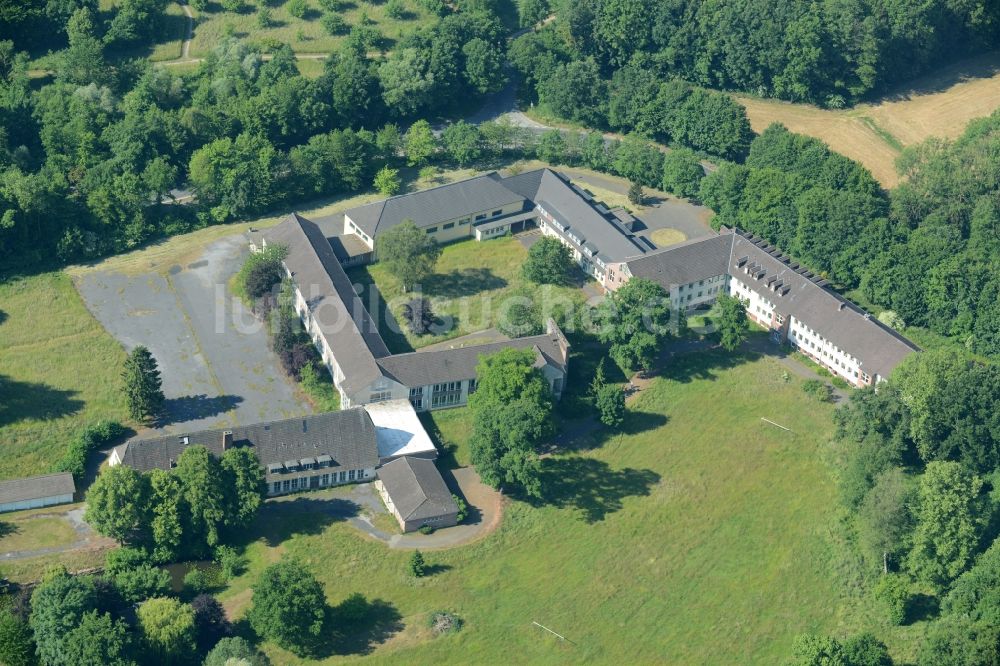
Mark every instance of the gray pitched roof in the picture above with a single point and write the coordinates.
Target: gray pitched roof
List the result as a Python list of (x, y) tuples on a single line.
[(876, 346), (686, 262), (36, 487), (416, 488), (347, 436), (576, 209), (428, 207), (340, 314), (423, 368)]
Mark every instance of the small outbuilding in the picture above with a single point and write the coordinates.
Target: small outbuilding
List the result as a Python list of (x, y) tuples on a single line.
[(36, 491), (415, 493)]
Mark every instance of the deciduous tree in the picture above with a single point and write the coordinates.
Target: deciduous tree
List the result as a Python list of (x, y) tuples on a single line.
[(733, 324), (408, 253), (117, 504), (288, 606), (548, 262)]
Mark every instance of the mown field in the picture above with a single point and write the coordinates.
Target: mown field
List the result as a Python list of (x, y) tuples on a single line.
[(940, 104), (59, 371), (306, 34), (467, 290), (701, 535)]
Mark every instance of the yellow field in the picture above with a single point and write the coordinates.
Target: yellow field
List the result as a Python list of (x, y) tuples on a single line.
[(939, 104)]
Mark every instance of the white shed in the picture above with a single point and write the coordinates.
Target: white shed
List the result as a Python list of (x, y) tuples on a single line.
[(36, 491)]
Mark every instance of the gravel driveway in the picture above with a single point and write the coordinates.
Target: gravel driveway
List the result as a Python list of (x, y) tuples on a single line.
[(214, 357)]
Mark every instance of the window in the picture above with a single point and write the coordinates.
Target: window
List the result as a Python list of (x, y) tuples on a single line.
[(324, 480), (343, 477), (481, 217), (416, 392), (449, 225), (464, 221), (378, 396), (276, 487), (286, 485), (350, 475), (496, 213), (472, 386), (418, 403)]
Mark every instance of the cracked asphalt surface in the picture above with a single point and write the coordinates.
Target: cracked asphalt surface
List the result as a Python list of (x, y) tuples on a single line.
[(214, 357)]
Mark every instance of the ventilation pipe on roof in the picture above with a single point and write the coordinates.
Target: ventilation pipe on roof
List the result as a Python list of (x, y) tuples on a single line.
[(841, 306), (227, 440)]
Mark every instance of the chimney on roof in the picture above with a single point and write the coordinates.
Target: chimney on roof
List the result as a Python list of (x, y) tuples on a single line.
[(185, 440), (227, 440), (841, 306)]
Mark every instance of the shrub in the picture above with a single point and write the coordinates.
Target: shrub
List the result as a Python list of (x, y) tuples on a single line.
[(297, 8), (426, 529), (893, 591), (230, 562), (232, 5), (265, 18), (416, 564), (331, 5), (822, 372), (418, 315), (839, 382), (229, 651), (443, 622), (463, 509), (196, 580), (816, 389), (90, 439), (395, 9), (611, 405), (334, 24)]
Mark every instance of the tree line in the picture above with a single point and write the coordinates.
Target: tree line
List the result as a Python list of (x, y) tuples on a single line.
[(919, 486), (831, 53)]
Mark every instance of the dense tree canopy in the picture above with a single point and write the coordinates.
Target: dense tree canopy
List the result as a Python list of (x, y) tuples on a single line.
[(634, 320), (512, 414), (408, 252), (289, 606)]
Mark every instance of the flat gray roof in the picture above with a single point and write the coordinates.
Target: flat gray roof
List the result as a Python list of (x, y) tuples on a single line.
[(36, 487)]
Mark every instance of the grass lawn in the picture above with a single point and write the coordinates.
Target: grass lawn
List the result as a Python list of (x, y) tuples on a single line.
[(305, 35), (59, 371), (32, 530), (469, 285), (700, 535)]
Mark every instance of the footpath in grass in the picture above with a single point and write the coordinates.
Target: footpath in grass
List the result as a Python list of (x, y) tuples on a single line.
[(59, 371), (467, 289), (699, 535)]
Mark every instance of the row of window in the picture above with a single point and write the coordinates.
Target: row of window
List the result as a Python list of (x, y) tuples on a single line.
[(318, 481), (464, 221)]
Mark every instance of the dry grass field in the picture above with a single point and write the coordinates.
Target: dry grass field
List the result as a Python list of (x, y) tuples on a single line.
[(939, 104)]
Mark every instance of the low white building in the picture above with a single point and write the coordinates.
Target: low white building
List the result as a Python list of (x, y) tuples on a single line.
[(36, 491)]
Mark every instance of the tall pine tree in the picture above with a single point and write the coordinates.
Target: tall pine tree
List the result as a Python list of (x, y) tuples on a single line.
[(143, 392)]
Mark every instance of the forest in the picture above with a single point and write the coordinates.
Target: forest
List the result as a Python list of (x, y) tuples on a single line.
[(828, 53)]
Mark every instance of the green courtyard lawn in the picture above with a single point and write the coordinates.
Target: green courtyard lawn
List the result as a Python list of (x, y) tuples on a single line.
[(700, 535), (59, 371), (35, 529), (469, 285), (306, 34)]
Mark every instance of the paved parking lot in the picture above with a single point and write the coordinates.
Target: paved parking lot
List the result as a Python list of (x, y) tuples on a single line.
[(214, 356)]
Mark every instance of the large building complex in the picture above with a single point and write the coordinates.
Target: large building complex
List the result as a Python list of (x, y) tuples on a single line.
[(797, 306), (381, 392)]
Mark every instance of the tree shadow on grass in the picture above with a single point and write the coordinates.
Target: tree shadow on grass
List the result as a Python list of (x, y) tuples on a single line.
[(3, 317), (357, 627), (6, 529), (435, 569), (279, 520), (465, 282), (590, 486), (29, 400), (703, 364), (194, 407)]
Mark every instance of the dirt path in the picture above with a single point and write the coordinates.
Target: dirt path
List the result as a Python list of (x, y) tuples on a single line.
[(186, 44)]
